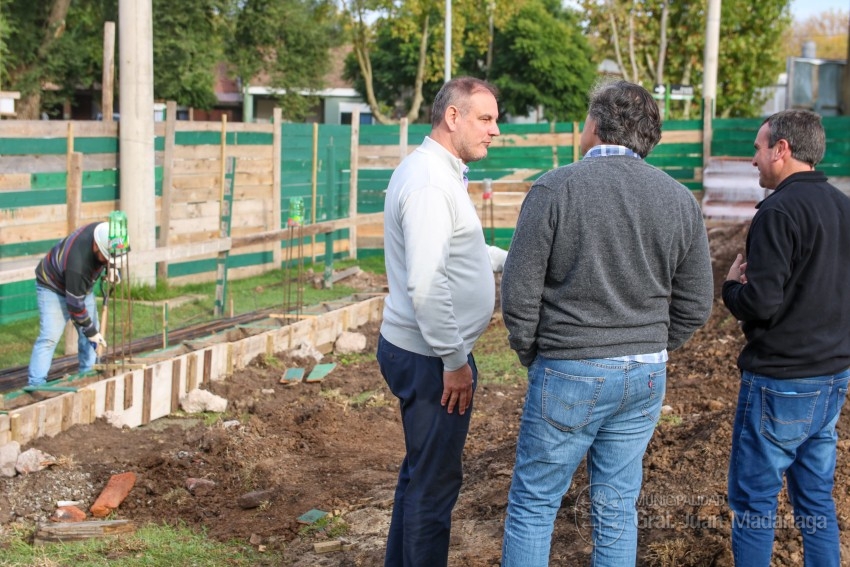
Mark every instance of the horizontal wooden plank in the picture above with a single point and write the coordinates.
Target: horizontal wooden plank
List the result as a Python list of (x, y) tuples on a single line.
[(17, 181), (254, 178), (56, 128), (261, 162), (196, 195), (213, 138), (213, 152), (249, 192), (194, 210), (499, 199), (258, 163), (55, 163), (237, 127), (681, 137), (530, 140), (499, 186), (53, 230), (183, 235), (375, 162), (78, 531), (206, 180), (377, 151)]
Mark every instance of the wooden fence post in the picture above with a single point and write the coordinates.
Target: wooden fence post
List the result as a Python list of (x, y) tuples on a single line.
[(277, 145), (352, 187), (167, 184), (108, 75), (74, 196)]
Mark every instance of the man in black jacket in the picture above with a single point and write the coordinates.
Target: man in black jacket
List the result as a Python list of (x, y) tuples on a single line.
[(792, 297), (65, 279)]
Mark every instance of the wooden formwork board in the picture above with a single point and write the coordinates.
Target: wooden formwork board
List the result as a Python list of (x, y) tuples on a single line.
[(48, 417), (5, 429), (145, 394)]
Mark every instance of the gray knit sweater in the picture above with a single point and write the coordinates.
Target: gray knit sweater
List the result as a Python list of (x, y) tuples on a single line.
[(610, 258)]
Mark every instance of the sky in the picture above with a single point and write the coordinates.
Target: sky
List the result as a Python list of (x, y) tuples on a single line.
[(802, 9)]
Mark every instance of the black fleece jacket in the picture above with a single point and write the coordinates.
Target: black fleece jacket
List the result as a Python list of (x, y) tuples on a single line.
[(795, 306)]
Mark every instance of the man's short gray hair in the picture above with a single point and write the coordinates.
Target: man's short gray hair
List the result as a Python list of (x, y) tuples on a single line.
[(803, 130), (457, 92)]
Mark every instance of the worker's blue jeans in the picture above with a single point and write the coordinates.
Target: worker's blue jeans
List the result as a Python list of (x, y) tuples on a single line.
[(604, 409), (52, 316), (430, 476), (785, 428)]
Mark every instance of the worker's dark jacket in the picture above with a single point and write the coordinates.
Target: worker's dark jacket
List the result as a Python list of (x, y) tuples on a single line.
[(70, 269), (795, 306)]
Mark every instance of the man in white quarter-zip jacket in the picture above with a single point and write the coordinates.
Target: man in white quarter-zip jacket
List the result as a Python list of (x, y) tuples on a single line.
[(442, 294)]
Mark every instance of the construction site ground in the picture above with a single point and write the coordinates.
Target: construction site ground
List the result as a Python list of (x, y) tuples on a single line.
[(336, 446)]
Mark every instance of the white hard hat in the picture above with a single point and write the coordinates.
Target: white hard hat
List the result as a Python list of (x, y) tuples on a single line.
[(101, 237)]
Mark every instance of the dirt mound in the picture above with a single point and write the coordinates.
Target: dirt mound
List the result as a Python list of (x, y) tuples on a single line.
[(336, 446)]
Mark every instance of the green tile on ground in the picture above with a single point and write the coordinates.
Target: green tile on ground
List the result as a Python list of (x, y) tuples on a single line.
[(320, 371), (292, 375), (311, 517)]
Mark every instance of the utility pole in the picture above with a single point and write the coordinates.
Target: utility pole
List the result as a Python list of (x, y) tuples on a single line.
[(136, 132), (448, 50), (709, 84), (845, 82)]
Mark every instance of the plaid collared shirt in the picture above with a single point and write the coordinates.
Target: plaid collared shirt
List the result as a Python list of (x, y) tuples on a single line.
[(603, 150)]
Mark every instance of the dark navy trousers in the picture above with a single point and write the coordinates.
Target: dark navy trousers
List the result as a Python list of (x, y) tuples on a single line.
[(431, 472)]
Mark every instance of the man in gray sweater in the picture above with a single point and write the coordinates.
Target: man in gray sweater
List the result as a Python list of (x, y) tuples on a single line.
[(609, 270)]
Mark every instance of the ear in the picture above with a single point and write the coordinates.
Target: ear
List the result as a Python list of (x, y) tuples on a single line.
[(452, 117), (782, 149)]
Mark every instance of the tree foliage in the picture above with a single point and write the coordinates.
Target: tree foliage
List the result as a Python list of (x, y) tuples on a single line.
[(630, 32), (186, 48), (409, 26), (541, 58), (532, 49), (828, 30), (58, 47), (35, 29), (287, 41)]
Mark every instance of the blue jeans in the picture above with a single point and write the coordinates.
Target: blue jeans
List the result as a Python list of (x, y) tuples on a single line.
[(785, 427), (52, 316), (605, 409), (431, 473)]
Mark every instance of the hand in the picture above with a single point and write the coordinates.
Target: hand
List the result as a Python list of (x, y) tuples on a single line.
[(737, 272), (497, 258), (457, 389), (113, 275), (97, 342)]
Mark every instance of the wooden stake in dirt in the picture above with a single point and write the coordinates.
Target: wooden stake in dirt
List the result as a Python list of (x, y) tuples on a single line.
[(226, 216), (77, 531)]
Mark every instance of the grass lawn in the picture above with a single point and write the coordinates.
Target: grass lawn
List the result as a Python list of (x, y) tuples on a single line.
[(249, 294)]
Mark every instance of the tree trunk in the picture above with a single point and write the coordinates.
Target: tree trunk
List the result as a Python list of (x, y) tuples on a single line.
[(616, 39), (361, 50), (29, 106), (686, 80), (632, 56), (662, 43), (413, 114)]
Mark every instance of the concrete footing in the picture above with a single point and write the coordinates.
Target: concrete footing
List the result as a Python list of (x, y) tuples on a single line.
[(153, 388)]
